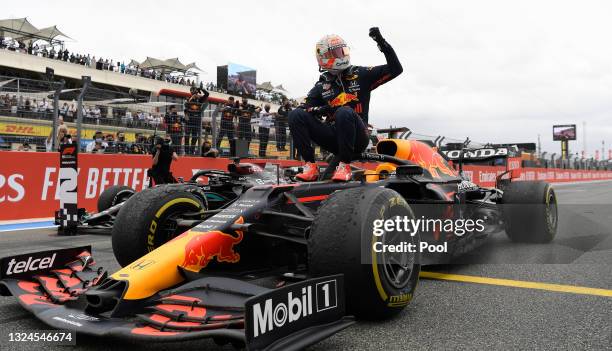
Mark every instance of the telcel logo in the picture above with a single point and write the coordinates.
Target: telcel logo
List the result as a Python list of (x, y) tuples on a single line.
[(31, 264), (281, 313)]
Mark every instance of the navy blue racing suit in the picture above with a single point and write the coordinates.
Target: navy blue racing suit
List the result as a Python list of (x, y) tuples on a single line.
[(345, 100), (194, 106)]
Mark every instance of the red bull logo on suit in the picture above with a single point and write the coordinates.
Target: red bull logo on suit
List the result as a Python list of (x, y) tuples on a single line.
[(343, 99)]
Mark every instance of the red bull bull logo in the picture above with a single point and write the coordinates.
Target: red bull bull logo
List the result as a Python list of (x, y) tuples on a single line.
[(429, 159), (418, 152), (343, 99), (202, 248)]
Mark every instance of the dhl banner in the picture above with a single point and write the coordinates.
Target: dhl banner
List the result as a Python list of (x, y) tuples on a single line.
[(29, 180), (24, 129), (11, 128)]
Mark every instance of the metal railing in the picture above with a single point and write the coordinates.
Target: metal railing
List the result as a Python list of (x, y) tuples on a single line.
[(243, 133)]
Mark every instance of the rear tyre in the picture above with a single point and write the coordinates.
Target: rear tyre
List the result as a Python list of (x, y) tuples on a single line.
[(530, 212), (378, 285), (114, 195), (147, 220)]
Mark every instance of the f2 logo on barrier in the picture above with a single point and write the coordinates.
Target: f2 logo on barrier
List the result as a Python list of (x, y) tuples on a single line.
[(326, 295)]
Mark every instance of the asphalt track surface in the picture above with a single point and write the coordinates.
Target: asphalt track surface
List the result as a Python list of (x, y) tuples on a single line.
[(444, 314)]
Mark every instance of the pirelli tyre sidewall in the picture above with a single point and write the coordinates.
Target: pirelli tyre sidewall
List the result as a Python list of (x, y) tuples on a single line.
[(142, 224), (114, 195), (530, 211), (341, 240)]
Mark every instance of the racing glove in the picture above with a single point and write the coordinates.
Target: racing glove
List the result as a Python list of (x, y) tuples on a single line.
[(378, 38), (320, 111)]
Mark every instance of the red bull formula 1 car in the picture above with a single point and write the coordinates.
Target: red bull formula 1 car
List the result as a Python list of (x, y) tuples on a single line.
[(279, 267)]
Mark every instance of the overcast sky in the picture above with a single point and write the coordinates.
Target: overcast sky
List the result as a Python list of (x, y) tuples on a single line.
[(491, 70)]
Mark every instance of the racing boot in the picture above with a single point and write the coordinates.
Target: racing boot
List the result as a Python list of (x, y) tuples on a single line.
[(343, 173), (310, 172)]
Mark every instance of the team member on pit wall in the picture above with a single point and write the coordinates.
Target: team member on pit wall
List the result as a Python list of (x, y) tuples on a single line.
[(342, 94), (194, 106), (228, 114), (246, 112)]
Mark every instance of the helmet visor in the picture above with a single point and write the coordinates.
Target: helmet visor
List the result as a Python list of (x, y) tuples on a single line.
[(337, 52)]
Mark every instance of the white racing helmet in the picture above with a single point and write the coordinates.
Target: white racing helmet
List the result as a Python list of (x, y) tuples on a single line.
[(332, 53)]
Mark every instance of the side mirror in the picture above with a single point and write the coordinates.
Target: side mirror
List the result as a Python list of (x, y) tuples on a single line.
[(407, 171)]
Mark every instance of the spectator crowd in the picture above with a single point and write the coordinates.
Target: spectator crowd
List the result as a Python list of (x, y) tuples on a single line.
[(42, 108), (88, 60)]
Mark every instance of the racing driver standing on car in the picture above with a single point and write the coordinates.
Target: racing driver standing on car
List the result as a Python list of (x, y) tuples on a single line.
[(342, 95)]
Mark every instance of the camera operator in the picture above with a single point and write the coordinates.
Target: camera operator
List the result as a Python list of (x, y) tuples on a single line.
[(194, 106), (65, 139), (162, 159)]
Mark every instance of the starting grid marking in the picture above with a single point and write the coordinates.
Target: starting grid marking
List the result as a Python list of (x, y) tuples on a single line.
[(572, 289)]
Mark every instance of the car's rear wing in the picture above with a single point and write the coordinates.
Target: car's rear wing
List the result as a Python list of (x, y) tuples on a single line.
[(477, 155), (509, 155)]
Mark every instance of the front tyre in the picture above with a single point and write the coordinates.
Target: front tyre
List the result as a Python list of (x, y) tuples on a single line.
[(378, 285), (148, 220)]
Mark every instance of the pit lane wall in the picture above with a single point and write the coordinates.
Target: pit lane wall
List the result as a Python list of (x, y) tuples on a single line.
[(29, 189)]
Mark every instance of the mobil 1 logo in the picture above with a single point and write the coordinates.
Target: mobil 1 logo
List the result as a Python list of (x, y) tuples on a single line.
[(326, 295), (280, 312)]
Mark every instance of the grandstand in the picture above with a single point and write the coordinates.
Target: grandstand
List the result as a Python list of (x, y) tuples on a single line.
[(129, 97)]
